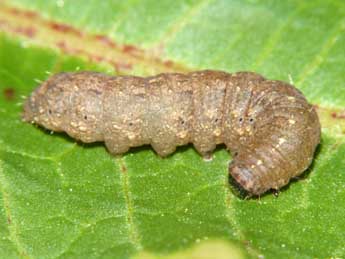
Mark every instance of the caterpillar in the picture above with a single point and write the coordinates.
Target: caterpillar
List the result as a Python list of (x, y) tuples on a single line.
[(267, 125)]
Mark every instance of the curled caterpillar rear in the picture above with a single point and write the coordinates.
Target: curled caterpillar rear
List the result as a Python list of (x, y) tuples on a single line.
[(268, 126)]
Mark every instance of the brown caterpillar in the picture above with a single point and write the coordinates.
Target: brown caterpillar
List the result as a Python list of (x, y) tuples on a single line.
[(269, 126)]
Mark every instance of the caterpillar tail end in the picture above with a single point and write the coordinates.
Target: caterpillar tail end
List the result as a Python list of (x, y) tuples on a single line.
[(243, 180)]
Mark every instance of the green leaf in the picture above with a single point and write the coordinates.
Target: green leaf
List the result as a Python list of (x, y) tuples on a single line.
[(60, 199)]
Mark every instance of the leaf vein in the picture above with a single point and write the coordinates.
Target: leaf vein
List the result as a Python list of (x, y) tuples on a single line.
[(180, 23), (12, 226), (276, 36), (133, 231), (305, 194), (319, 58), (24, 154)]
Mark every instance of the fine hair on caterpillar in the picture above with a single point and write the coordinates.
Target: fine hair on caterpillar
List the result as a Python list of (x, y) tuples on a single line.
[(268, 125)]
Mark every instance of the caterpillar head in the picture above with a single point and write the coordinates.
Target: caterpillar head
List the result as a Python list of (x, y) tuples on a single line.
[(67, 102), (47, 104)]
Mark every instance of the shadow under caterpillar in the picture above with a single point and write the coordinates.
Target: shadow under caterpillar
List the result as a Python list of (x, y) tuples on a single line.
[(268, 126)]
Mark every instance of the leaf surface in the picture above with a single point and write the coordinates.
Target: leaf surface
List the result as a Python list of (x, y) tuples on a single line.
[(60, 199)]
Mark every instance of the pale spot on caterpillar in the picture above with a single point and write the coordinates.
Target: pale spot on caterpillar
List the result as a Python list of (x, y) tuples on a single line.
[(281, 141), (132, 136), (82, 128), (244, 111), (292, 121), (182, 134), (217, 132)]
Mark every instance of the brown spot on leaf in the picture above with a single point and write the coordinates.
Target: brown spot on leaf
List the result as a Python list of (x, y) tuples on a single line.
[(123, 168), (168, 63), (97, 58), (132, 50), (26, 31), (28, 14), (338, 115), (9, 93), (64, 28), (121, 66), (61, 45), (105, 40), (29, 32), (129, 48)]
